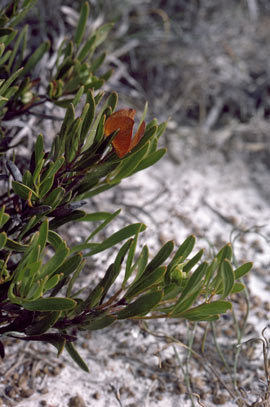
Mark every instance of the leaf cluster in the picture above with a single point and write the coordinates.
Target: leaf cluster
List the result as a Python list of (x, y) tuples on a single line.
[(39, 270)]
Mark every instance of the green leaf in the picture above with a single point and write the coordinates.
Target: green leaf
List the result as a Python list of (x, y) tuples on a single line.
[(72, 140), (107, 220), (130, 164), (117, 237), (54, 167), (50, 304), (76, 357), (45, 186), (87, 49), (4, 217), (5, 58), (43, 235), (15, 48), (225, 253), (88, 118), (242, 270), (52, 282), (24, 191), (227, 278), (97, 62), (17, 247), (160, 257), (141, 306), (186, 303), (55, 197), (98, 323), (141, 262), (82, 23), (95, 191), (191, 263), (146, 282), (35, 57), (9, 81), (237, 288), (150, 160), (130, 258), (70, 265), (182, 252), (102, 32), (193, 285), (39, 149), (97, 216), (109, 103), (55, 239), (204, 311), (54, 262), (61, 220), (3, 239), (78, 96), (7, 39)]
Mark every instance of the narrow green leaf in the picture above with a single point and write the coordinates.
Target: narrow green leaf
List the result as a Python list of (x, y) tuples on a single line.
[(4, 217), (107, 220), (43, 235), (146, 282), (193, 285), (76, 357), (55, 197), (9, 81), (182, 252), (150, 160), (98, 323), (61, 220), (39, 149), (117, 237), (242, 270), (203, 311), (160, 257), (130, 258), (227, 278), (97, 62), (102, 32), (45, 186), (88, 118), (184, 305), (24, 191), (141, 263), (130, 164), (35, 58), (191, 263), (87, 49), (15, 47), (78, 96), (81, 23), (50, 304), (54, 262), (141, 306), (17, 247), (70, 265), (3, 239), (225, 253), (237, 288)]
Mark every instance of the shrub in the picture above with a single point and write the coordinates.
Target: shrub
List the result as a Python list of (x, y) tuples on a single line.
[(92, 152)]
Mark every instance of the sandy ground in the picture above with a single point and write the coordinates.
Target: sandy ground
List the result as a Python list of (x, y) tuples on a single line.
[(219, 202)]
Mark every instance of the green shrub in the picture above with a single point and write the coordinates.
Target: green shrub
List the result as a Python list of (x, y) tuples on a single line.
[(92, 152)]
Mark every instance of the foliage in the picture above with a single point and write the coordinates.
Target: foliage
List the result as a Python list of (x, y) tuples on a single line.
[(93, 152)]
